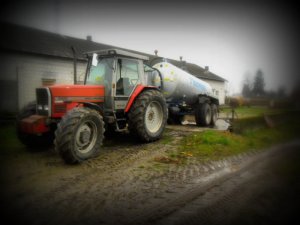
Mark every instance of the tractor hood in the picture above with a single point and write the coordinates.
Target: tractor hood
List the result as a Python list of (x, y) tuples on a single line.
[(77, 93)]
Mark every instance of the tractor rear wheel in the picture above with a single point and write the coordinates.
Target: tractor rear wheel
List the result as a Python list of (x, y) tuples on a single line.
[(203, 114), (79, 135), (148, 115), (31, 140)]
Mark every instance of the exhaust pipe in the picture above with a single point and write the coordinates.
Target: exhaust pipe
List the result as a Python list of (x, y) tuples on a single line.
[(75, 64)]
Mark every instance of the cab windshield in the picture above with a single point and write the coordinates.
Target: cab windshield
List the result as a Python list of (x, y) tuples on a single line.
[(102, 73)]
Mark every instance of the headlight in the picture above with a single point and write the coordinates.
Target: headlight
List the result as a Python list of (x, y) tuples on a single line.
[(46, 107), (40, 107)]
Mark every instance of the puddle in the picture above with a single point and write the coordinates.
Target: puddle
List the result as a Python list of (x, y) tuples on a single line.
[(221, 125), (188, 125)]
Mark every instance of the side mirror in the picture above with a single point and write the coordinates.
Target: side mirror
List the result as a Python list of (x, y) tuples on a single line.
[(95, 59)]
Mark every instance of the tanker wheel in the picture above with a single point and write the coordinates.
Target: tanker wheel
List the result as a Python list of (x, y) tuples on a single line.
[(31, 140), (203, 114), (79, 135), (148, 115), (214, 114)]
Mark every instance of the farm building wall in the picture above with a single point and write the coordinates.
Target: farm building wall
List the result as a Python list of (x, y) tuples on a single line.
[(21, 73)]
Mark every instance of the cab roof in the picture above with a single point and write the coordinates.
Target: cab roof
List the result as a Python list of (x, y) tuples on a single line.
[(118, 52)]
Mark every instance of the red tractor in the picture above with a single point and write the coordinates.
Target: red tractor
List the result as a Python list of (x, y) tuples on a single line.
[(116, 95)]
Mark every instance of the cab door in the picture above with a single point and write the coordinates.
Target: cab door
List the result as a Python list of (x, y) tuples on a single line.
[(127, 78)]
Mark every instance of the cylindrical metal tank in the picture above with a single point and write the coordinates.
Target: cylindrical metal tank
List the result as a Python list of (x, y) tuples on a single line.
[(179, 85)]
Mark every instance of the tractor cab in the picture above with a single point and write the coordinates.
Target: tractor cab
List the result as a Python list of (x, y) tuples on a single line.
[(119, 72)]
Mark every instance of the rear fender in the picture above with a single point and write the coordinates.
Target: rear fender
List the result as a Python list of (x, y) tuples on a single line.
[(137, 91)]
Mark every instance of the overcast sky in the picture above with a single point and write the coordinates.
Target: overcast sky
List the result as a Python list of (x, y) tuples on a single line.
[(232, 39)]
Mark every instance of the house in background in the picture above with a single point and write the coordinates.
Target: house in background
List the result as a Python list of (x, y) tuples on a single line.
[(30, 58)]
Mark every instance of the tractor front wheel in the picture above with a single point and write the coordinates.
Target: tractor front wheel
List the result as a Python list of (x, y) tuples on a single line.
[(148, 115), (79, 135)]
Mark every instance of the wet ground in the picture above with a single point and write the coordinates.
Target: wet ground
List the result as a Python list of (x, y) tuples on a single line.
[(124, 185), (264, 190), (188, 124)]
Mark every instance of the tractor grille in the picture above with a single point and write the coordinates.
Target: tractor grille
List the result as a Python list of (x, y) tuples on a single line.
[(42, 100), (60, 108)]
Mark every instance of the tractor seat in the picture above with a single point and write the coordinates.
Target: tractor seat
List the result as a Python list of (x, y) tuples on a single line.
[(122, 87)]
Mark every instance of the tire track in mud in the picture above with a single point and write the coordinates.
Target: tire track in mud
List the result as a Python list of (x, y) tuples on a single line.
[(113, 189), (99, 178), (165, 188), (191, 178), (117, 181), (219, 202), (209, 206), (119, 192)]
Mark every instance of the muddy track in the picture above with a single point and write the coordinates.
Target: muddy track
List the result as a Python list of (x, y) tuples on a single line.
[(104, 185), (114, 162), (121, 186), (231, 198)]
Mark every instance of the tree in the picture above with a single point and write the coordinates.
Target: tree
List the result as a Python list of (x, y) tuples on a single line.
[(259, 84), (247, 86), (246, 92)]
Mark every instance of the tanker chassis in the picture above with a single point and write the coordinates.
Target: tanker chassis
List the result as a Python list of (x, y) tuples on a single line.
[(120, 92)]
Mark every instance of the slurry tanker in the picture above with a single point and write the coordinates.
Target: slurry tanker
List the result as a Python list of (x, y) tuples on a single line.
[(186, 94), (120, 92)]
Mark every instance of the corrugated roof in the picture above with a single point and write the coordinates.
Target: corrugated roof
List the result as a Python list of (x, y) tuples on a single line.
[(26, 39), (31, 40)]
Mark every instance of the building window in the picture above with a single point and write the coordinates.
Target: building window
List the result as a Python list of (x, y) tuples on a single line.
[(217, 93), (48, 82)]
